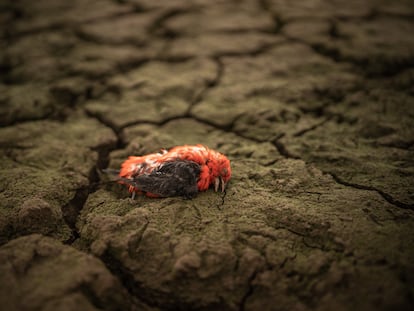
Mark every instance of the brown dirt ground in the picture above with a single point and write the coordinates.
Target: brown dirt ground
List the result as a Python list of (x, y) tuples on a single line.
[(312, 101)]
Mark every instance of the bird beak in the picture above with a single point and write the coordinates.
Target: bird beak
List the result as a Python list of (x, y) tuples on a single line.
[(217, 182)]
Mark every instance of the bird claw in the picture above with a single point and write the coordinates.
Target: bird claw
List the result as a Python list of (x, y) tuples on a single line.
[(217, 182)]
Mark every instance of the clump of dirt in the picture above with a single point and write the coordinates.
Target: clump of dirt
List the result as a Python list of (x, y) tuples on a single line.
[(40, 273)]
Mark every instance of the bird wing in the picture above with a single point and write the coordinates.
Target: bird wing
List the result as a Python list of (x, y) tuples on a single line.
[(173, 178)]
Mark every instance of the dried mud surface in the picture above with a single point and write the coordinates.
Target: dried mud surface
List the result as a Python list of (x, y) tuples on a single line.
[(312, 101)]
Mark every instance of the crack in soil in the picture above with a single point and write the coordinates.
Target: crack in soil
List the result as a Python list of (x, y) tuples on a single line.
[(209, 85), (157, 123), (72, 209), (384, 195), (90, 294), (367, 67), (278, 20), (135, 289), (106, 122), (281, 148), (62, 25), (250, 290), (223, 197), (387, 197), (261, 49), (220, 204), (311, 128), (158, 24)]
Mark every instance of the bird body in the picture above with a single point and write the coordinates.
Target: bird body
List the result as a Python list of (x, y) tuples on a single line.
[(182, 170)]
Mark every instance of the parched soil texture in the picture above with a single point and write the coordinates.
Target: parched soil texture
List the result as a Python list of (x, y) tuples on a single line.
[(312, 101)]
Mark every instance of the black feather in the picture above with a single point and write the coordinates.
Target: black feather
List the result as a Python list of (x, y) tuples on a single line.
[(175, 178)]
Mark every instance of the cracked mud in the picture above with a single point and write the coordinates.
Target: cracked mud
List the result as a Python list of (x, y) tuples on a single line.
[(311, 101)]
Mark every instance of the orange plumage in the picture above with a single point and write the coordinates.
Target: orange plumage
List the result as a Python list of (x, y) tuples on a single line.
[(176, 171)]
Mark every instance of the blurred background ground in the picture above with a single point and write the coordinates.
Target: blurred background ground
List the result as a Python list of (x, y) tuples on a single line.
[(312, 101)]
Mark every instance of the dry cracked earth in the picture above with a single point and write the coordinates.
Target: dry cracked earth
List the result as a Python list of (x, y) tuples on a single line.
[(312, 101)]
